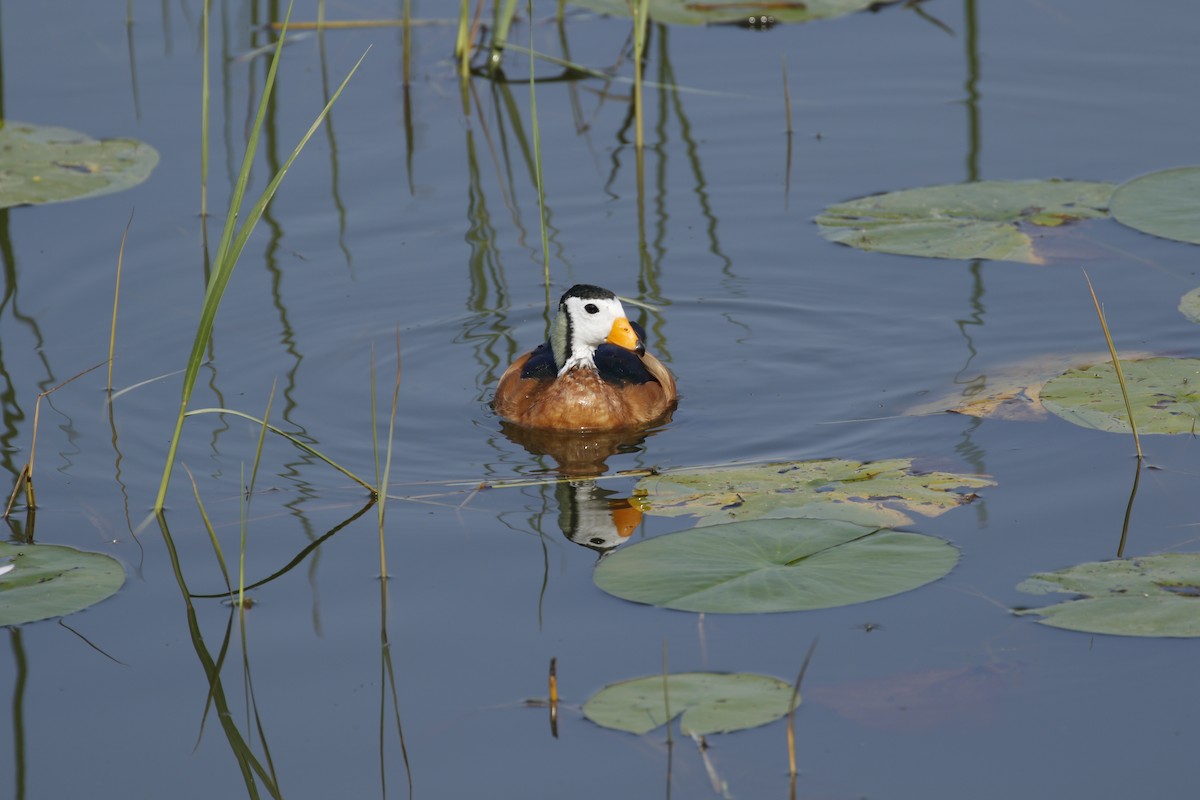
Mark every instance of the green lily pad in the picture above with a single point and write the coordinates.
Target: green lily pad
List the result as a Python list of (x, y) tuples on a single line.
[(1189, 305), (686, 12), (987, 219), (1149, 596), (52, 581), (773, 565), (1164, 393), (868, 493), (40, 164), (1165, 204), (709, 702)]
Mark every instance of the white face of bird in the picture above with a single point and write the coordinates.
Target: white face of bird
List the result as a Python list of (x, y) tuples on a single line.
[(588, 317)]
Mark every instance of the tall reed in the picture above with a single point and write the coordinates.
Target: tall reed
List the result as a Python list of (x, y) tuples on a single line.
[(537, 161), (1137, 442)]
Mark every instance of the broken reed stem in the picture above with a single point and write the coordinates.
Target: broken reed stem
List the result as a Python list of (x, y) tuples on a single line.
[(791, 715), (25, 478), (1137, 442), (787, 97), (112, 335)]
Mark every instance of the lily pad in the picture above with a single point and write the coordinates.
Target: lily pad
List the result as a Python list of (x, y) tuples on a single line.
[(41, 164), (869, 493), (1148, 596), (686, 12), (1164, 393), (1165, 204), (1189, 305), (773, 565), (986, 219), (53, 581), (709, 702), (1011, 391)]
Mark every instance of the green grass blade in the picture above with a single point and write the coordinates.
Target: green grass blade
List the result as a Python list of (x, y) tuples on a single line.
[(387, 461), (303, 446), (1137, 442), (222, 269), (230, 249), (212, 534)]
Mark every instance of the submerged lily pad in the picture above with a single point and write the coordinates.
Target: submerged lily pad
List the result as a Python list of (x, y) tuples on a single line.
[(1165, 204), (986, 219), (1164, 393), (1189, 305), (709, 702), (869, 493), (1011, 391), (1149, 596), (53, 581), (907, 702), (42, 164), (686, 12), (773, 565)]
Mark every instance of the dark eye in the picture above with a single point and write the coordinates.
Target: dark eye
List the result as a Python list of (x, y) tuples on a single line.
[(591, 308)]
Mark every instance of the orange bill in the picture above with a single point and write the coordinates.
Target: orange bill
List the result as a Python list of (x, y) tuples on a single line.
[(623, 335)]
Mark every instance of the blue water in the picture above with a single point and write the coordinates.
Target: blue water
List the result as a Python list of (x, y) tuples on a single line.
[(786, 346)]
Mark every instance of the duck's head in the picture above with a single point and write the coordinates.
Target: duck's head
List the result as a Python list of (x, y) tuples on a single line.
[(589, 316)]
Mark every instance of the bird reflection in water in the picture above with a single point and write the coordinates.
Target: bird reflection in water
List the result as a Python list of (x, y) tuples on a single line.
[(589, 515)]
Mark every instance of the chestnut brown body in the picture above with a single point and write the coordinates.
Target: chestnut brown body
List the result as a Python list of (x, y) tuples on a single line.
[(583, 399)]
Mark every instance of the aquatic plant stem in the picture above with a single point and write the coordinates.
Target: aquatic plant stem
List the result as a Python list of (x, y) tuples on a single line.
[(640, 11), (791, 715), (204, 104), (1137, 442), (406, 41), (537, 160), (112, 334), (381, 489), (247, 495), (787, 97), (462, 40)]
